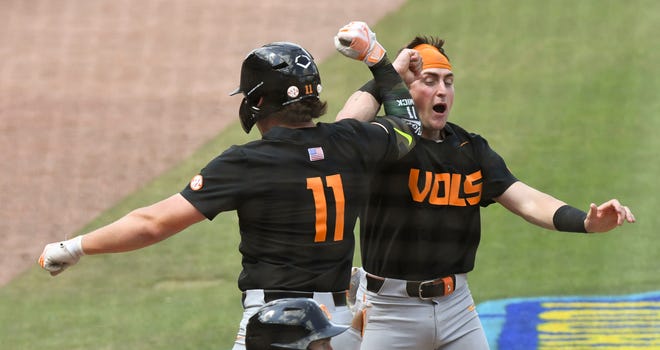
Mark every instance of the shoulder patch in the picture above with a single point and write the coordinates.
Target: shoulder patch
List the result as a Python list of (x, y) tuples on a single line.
[(197, 182)]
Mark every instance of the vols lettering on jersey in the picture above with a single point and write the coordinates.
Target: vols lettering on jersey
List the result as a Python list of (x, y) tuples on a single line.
[(445, 188), (423, 216)]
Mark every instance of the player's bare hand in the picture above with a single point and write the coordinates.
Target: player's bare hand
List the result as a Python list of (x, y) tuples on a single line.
[(607, 216), (56, 257), (357, 41), (409, 65)]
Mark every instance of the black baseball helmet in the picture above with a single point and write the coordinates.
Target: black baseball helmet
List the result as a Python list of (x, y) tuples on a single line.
[(290, 323), (273, 76)]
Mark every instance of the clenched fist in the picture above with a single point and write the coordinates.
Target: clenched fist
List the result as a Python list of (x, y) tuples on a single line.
[(56, 257), (357, 41)]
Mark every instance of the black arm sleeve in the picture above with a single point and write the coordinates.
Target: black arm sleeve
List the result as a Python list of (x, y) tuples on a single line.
[(371, 88), (395, 96)]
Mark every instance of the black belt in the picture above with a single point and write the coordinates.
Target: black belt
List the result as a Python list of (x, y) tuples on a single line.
[(269, 295), (438, 287)]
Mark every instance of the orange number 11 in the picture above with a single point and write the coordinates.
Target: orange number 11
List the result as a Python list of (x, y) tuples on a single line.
[(315, 184)]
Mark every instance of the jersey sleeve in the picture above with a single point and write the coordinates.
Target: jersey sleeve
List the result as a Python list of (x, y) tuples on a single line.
[(219, 185), (497, 176), (378, 141), (402, 134)]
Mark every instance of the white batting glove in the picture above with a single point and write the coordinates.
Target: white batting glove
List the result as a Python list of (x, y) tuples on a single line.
[(56, 257), (357, 41)]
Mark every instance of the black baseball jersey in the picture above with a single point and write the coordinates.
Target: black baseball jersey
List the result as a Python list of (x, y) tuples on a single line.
[(298, 193), (422, 220)]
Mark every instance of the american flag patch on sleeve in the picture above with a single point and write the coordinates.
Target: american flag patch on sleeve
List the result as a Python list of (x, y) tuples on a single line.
[(315, 153)]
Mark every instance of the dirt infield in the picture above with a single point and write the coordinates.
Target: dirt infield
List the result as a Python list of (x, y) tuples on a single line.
[(99, 97)]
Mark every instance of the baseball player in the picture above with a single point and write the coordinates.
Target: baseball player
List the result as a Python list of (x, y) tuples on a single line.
[(297, 191), (292, 323), (421, 230)]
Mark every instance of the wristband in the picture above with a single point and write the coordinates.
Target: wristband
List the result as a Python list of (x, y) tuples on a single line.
[(74, 246), (569, 219)]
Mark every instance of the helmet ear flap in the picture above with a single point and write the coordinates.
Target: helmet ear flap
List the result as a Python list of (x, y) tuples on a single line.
[(250, 111), (248, 115)]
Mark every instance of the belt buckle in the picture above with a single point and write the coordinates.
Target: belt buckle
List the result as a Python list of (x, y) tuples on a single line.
[(446, 285), (422, 284)]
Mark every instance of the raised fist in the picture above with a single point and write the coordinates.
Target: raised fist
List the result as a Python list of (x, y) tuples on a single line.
[(357, 41), (409, 65)]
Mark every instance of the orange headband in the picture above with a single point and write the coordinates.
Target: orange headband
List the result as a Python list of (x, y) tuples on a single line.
[(431, 56)]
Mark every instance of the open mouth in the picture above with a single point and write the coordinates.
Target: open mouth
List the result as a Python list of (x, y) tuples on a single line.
[(440, 108)]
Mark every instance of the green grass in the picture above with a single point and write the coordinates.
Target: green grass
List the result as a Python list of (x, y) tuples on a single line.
[(565, 91)]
